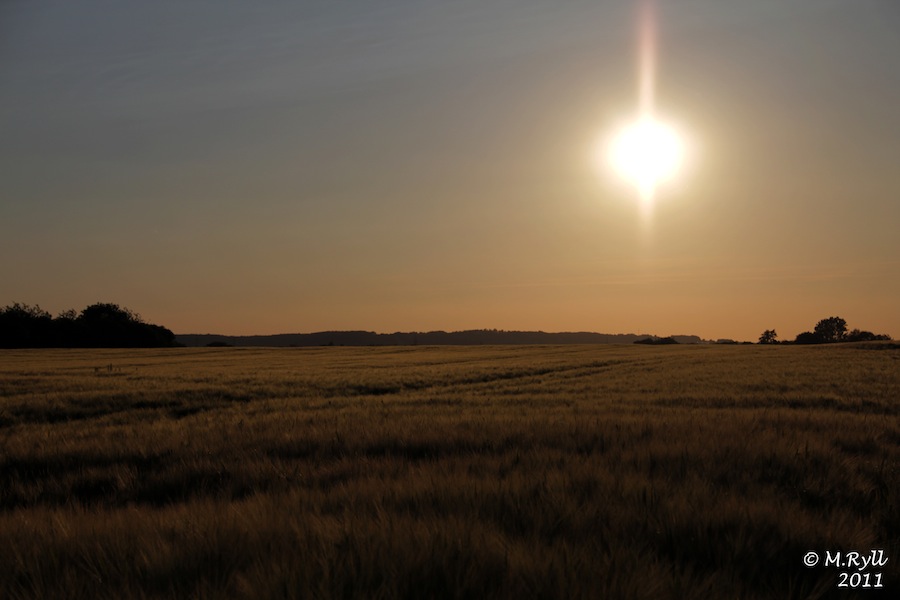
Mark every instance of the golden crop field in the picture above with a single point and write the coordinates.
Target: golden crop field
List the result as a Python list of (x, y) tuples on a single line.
[(450, 472)]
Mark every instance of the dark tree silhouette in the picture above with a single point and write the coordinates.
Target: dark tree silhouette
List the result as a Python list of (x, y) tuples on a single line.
[(808, 337), (110, 326), (655, 341), (70, 332), (24, 326), (865, 336), (768, 337), (832, 329), (99, 326)]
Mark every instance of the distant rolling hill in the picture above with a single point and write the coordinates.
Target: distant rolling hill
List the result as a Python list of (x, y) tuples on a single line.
[(437, 338)]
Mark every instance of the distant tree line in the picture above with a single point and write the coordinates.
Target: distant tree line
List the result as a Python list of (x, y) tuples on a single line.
[(97, 326), (826, 331), (472, 337)]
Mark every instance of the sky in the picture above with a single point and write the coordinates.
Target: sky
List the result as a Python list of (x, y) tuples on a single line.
[(233, 167)]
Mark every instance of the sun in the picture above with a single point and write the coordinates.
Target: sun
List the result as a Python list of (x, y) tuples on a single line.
[(647, 152)]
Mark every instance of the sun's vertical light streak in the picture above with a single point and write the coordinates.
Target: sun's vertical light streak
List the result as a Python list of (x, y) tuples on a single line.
[(647, 84), (647, 59), (647, 152)]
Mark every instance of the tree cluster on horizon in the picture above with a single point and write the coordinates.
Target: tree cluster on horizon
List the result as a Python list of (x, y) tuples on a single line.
[(826, 331), (657, 341), (100, 325)]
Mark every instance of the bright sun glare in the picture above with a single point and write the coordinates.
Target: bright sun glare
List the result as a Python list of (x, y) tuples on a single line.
[(647, 153)]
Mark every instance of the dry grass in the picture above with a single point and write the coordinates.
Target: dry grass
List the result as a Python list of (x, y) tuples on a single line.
[(458, 472)]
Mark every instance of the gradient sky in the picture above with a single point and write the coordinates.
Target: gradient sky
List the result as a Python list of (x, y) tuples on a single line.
[(263, 167)]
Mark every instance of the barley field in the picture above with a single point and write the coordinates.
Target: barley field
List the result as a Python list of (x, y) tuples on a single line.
[(450, 472)]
